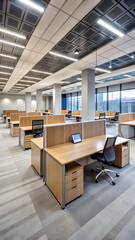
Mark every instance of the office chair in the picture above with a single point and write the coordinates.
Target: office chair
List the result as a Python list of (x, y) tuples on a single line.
[(108, 157), (37, 128), (69, 113), (115, 119), (102, 115)]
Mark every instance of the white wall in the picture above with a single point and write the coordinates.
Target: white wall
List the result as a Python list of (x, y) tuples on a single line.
[(17, 102)]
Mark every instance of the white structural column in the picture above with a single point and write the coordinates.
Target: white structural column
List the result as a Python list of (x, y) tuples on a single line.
[(88, 94), (57, 99), (39, 100), (28, 102)]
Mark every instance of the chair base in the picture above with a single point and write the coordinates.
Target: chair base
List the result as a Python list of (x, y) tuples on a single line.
[(105, 171)]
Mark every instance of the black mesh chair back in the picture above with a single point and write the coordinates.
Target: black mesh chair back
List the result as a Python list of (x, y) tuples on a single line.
[(116, 116), (109, 149), (102, 115), (46, 110), (69, 112), (37, 127)]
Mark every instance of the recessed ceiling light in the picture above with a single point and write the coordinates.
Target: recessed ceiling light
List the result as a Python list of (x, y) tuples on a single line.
[(33, 78), (3, 78), (2, 66), (33, 70), (5, 73), (102, 70), (132, 56), (12, 33), (11, 43), (63, 56), (126, 75), (33, 5), (76, 52), (111, 28), (7, 56)]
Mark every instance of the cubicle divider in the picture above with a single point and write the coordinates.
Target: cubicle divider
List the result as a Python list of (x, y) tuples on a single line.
[(34, 114), (27, 120), (132, 117), (8, 112), (76, 113), (64, 111), (15, 116), (127, 125), (14, 123)]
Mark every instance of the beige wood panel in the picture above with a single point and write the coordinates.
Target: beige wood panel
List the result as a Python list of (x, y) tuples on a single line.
[(64, 111), (10, 111), (93, 129), (8, 122), (50, 111), (124, 117), (131, 116), (106, 113), (54, 177), (62, 134), (69, 152), (4, 112), (15, 116), (76, 113), (112, 113), (4, 119), (34, 114), (73, 193), (52, 119), (27, 121), (36, 158), (14, 129)]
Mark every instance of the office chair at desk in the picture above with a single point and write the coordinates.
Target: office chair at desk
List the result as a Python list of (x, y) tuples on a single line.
[(115, 119), (108, 157), (37, 128), (102, 115)]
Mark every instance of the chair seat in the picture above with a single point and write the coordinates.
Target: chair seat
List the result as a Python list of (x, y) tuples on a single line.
[(99, 157)]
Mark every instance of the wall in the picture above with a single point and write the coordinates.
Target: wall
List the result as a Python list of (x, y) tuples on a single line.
[(16, 102)]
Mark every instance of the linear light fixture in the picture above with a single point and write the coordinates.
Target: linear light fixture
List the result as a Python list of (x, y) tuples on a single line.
[(33, 70), (32, 5), (33, 78), (79, 78), (102, 70), (110, 28), (126, 75), (2, 66), (63, 56), (7, 56), (12, 33), (3, 78), (5, 73), (11, 43)]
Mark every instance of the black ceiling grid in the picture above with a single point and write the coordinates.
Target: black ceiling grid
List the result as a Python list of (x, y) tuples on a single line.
[(16, 16), (88, 35)]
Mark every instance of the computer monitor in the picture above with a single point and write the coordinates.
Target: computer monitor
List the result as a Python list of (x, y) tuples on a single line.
[(37, 128), (76, 138)]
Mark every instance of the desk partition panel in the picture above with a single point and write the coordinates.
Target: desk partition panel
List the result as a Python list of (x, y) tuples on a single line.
[(94, 128), (8, 112), (51, 119), (15, 116), (27, 121), (34, 114), (132, 117)]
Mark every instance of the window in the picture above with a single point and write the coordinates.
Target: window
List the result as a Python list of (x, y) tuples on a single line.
[(74, 101), (68, 101), (128, 101), (102, 102), (114, 101), (79, 101)]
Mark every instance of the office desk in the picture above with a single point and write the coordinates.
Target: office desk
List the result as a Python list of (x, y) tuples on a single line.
[(127, 129), (25, 136), (8, 122), (60, 156), (14, 128), (106, 117), (78, 117), (37, 154), (4, 118)]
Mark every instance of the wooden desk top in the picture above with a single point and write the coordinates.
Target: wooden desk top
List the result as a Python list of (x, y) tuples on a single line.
[(26, 128), (76, 115), (69, 152), (107, 117), (15, 122), (129, 123), (38, 142)]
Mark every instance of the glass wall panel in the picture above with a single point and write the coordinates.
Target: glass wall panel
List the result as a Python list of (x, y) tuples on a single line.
[(79, 101), (68, 101), (102, 102), (74, 101), (114, 101), (128, 101)]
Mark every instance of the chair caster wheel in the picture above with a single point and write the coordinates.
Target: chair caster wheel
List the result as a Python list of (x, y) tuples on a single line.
[(117, 175), (96, 180), (113, 183)]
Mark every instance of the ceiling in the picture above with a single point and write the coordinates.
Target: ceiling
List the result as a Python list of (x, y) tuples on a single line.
[(70, 25)]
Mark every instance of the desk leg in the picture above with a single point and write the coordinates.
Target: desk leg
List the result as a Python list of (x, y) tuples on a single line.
[(63, 187)]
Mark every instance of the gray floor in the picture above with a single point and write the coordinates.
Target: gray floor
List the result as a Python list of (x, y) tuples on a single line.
[(28, 210)]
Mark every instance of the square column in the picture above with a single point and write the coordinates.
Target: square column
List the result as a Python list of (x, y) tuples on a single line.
[(39, 100), (57, 99), (88, 94), (28, 102)]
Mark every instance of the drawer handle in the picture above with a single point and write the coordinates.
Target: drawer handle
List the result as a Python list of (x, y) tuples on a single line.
[(74, 179), (73, 172), (74, 187)]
